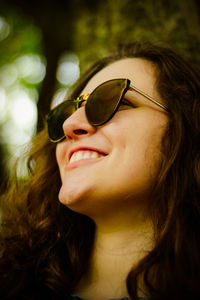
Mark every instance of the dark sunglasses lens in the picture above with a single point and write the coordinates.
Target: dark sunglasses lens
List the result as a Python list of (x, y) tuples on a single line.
[(56, 118), (103, 101)]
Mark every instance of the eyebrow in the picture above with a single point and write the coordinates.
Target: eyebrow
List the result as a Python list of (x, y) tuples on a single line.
[(148, 97)]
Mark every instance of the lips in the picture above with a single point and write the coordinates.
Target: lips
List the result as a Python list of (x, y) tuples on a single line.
[(86, 153)]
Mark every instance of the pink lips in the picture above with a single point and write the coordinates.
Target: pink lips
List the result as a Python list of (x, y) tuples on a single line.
[(84, 149), (81, 156)]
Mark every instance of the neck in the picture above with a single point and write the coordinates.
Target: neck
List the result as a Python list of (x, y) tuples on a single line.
[(123, 241), (119, 245), (123, 232)]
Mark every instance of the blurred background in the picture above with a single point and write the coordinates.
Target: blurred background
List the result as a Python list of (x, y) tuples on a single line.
[(45, 45)]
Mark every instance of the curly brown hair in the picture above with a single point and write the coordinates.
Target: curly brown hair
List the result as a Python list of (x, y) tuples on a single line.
[(45, 247)]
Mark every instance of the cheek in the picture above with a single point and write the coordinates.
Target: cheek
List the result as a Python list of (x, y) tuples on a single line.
[(60, 155), (139, 139)]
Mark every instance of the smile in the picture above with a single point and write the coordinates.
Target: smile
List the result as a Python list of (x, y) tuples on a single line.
[(84, 154)]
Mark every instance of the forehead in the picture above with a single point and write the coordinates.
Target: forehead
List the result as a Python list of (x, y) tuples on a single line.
[(140, 71)]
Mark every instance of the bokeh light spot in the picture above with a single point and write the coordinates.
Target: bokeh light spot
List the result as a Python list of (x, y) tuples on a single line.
[(22, 111), (58, 97), (31, 68), (2, 104), (8, 75), (68, 70), (4, 28)]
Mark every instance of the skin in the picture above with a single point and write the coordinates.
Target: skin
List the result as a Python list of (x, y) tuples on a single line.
[(114, 189)]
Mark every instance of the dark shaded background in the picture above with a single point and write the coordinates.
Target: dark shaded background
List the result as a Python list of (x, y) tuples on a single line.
[(91, 29)]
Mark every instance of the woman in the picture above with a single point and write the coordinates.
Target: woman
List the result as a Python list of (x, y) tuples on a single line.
[(111, 208)]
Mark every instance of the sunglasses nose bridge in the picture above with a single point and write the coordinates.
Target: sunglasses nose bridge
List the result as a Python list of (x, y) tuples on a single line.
[(77, 124)]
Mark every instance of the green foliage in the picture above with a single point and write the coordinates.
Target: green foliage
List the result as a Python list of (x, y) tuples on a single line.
[(24, 36), (97, 29), (91, 29), (160, 21)]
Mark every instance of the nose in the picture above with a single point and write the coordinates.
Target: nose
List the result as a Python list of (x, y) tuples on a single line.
[(77, 125)]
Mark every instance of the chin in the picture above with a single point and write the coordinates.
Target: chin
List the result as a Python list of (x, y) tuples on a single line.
[(74, 199)]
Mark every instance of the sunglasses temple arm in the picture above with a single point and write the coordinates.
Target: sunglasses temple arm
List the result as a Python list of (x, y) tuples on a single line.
[(148, 97)]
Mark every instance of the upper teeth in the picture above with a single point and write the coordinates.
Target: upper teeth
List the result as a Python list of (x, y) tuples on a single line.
[(84, 154)]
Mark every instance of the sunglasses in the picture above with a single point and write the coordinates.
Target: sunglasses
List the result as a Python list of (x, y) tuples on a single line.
[(100, 106)]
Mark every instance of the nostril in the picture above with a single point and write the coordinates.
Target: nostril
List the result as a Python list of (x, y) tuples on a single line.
[(80, 131)]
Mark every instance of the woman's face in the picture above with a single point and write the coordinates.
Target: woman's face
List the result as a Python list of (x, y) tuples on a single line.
[(111, 168)]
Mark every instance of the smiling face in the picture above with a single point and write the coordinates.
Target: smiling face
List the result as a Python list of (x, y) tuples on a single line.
[(110, 169)]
